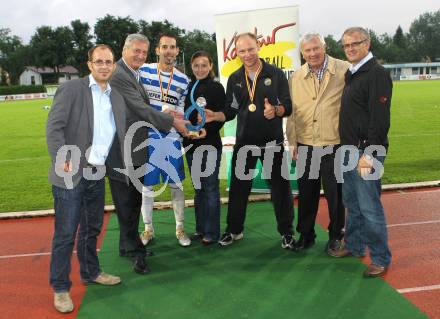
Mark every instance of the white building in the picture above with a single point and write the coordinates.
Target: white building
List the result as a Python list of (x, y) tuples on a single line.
[(38, 76), (414, 71)]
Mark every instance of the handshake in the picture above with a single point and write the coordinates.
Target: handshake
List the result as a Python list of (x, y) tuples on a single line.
[(179, 123)]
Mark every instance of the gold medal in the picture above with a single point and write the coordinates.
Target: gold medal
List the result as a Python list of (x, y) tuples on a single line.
[(252, 107)]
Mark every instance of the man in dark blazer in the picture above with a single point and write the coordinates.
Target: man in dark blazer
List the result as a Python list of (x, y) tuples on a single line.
[(127, 197), (86, 123)]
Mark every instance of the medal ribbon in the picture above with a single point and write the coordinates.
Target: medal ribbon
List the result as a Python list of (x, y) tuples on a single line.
[(164, 96), (254, 83)]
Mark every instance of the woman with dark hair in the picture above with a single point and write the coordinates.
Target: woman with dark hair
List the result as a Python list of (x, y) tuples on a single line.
[(205, 154)]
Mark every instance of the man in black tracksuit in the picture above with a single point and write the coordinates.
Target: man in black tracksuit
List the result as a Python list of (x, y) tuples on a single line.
[(364, 122), (258, 94)]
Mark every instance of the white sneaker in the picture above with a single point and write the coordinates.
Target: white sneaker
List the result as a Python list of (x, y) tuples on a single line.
[(237, 236), (183, 238), (107, 279), (62, 302), (147, 236)]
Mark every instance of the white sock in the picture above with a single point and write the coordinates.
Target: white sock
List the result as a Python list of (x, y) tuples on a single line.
[(147, 207), (178, 201)]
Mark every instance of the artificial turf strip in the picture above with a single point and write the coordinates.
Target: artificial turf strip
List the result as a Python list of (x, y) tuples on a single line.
[(253, 278)]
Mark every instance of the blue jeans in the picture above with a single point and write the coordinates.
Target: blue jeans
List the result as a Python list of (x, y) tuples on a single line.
[(366, 224), (207, 197), (81, 206)]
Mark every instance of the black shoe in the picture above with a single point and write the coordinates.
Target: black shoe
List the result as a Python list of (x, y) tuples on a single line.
[(196, 236), (288, 242), (304, 243), (149, 253), (140, 266), (334, 245), (228, 238)]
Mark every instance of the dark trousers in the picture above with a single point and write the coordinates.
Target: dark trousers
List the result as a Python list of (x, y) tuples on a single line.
[(309, 193), (83, 207), (281, 194), (128, 200)]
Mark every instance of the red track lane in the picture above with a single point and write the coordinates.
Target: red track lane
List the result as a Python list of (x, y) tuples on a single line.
[(25, 291), (24, 281), (415, 248)]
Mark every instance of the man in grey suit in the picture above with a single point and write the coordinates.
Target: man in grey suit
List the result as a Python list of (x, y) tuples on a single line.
[(127, 197), (86, 119)]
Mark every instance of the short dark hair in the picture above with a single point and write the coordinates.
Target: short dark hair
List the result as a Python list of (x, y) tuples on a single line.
[(205, 54), (168, 35), (246, 34), (99, 46)]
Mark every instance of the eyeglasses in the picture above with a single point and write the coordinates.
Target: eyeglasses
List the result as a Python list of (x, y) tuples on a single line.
[(353, 44), (102, 62)]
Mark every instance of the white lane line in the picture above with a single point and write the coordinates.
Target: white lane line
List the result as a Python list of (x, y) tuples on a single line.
[(31, 255), (415, 223), (24, 255), (416, 289), (415, 135), (23, 159)]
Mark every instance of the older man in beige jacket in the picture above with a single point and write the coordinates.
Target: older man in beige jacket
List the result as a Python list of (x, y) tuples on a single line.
[(313, 134)]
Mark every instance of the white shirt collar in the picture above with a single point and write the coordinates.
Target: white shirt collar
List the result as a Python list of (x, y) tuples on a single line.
[(135, 73), (93, 82), (355, 68)]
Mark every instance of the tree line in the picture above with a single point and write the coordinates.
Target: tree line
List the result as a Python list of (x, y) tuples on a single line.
[(68, 45), (420, 44)]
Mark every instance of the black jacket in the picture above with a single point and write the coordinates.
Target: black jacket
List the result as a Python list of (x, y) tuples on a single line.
[(365, 107), (214, 93), (252, 127)]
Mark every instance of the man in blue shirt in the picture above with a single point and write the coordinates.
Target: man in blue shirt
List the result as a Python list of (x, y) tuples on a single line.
[(86, 117)]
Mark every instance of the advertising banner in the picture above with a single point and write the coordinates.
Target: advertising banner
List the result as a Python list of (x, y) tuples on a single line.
[(277, 31)]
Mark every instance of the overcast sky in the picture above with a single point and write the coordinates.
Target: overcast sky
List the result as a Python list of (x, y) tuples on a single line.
[(326, 17)]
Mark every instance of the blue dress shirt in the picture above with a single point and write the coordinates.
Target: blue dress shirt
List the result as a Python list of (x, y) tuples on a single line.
[(104, 127)]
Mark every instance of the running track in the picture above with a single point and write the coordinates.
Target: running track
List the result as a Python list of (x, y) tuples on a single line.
[(414, 233)]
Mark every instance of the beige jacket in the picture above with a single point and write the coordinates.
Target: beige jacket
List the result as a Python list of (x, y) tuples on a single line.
[(315, 117)]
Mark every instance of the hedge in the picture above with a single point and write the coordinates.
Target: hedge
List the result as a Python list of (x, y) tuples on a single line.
[(22, 89)]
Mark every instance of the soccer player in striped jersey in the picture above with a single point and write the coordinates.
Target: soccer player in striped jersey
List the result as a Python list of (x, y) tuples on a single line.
[(166, 88)]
